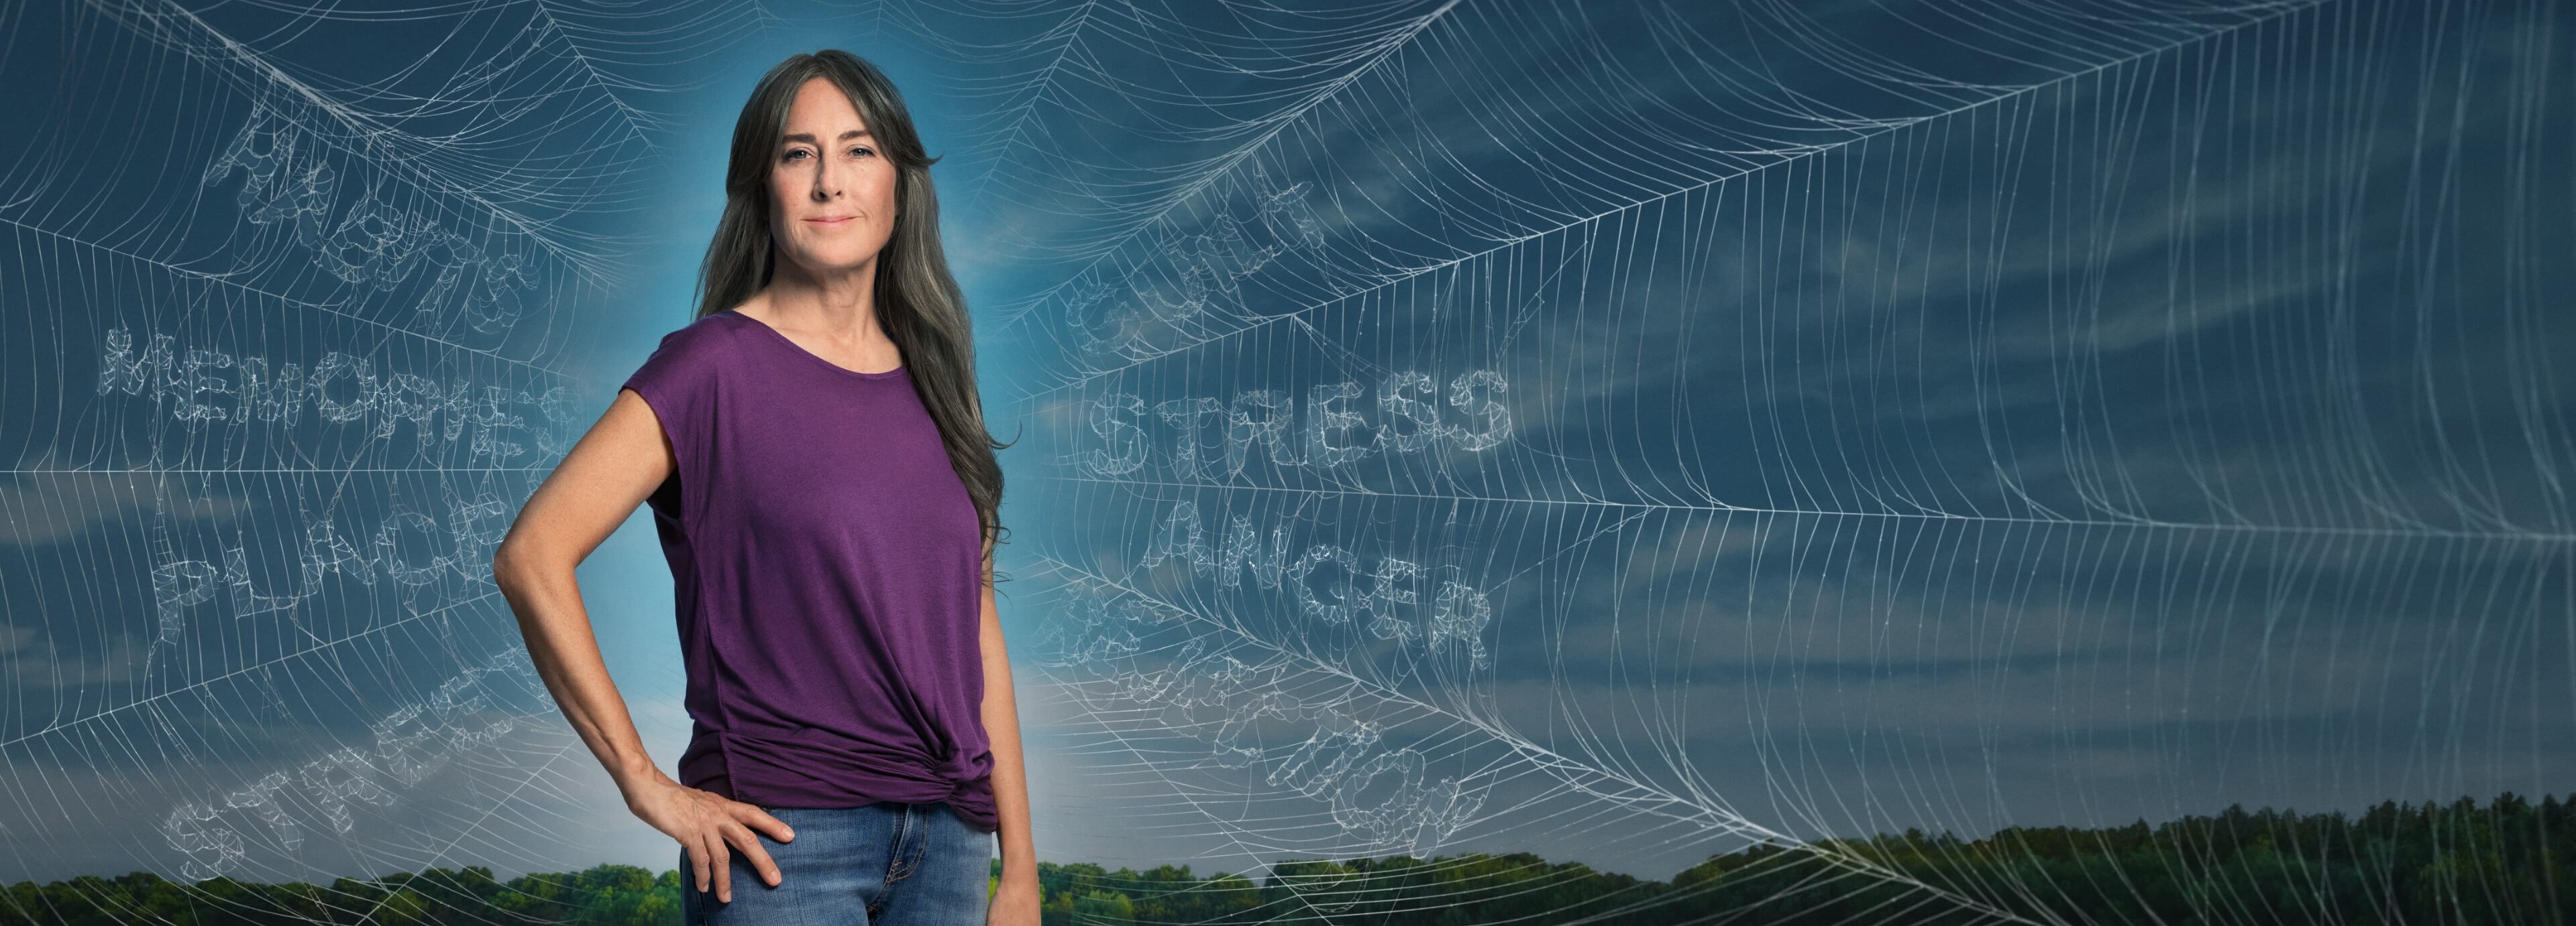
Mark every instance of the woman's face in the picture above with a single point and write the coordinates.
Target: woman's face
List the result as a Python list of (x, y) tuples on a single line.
[(832, 193)]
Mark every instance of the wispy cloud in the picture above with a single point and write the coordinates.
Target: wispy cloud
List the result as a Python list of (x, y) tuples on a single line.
[(43, 505)]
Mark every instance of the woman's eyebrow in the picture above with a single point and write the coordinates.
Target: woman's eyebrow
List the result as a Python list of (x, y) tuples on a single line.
[(809, 137)]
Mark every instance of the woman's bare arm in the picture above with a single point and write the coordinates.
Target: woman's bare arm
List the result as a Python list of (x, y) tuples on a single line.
[(609, 472), (1015, 899), (596, 488)]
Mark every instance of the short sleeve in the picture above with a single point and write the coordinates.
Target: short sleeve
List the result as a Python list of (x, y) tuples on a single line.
[(679, 382)]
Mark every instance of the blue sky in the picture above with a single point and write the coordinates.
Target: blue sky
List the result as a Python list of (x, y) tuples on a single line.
[(1835, 420)]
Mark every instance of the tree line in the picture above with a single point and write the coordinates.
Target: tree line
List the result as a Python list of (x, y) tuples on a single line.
[(2508, 862)]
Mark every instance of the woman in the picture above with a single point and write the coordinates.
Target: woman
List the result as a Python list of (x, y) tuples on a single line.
[(827, 496)]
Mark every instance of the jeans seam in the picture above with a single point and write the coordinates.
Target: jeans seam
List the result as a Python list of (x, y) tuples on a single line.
[(896, 870)]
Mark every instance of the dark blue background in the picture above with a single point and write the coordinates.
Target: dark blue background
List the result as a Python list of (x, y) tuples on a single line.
[(1930, 414)]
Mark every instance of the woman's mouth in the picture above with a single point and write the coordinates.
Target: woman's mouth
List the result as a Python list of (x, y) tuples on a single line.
[(830, 220)]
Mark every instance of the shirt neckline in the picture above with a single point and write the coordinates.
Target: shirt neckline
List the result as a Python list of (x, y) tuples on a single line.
[(810, 355)]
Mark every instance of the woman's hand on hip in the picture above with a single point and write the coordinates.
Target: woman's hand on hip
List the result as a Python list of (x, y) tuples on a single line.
[(710, 826), (1015, 903)]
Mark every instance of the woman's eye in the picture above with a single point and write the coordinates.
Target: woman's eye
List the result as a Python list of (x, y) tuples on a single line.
[(793, 152)]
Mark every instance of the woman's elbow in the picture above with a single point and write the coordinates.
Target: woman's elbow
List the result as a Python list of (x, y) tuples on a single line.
[(510, 562), (501, 565)]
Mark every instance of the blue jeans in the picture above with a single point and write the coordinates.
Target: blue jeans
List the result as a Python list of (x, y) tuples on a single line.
[(882, 864)]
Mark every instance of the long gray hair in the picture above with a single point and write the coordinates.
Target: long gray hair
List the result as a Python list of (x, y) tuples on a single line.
[(917, 299)]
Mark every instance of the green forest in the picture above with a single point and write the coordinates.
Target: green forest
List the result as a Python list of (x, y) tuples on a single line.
[(2508, 862)]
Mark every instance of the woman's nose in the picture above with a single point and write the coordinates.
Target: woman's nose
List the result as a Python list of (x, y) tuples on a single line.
[(827, 180)]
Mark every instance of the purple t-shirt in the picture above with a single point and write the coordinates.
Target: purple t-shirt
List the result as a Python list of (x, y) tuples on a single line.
[(828, 570)]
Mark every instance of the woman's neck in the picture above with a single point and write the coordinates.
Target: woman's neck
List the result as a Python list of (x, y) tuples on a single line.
[(840, 308)]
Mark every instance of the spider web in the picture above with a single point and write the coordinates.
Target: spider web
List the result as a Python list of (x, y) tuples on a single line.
[(1641, 432), (1625, 432), (300, 290)]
